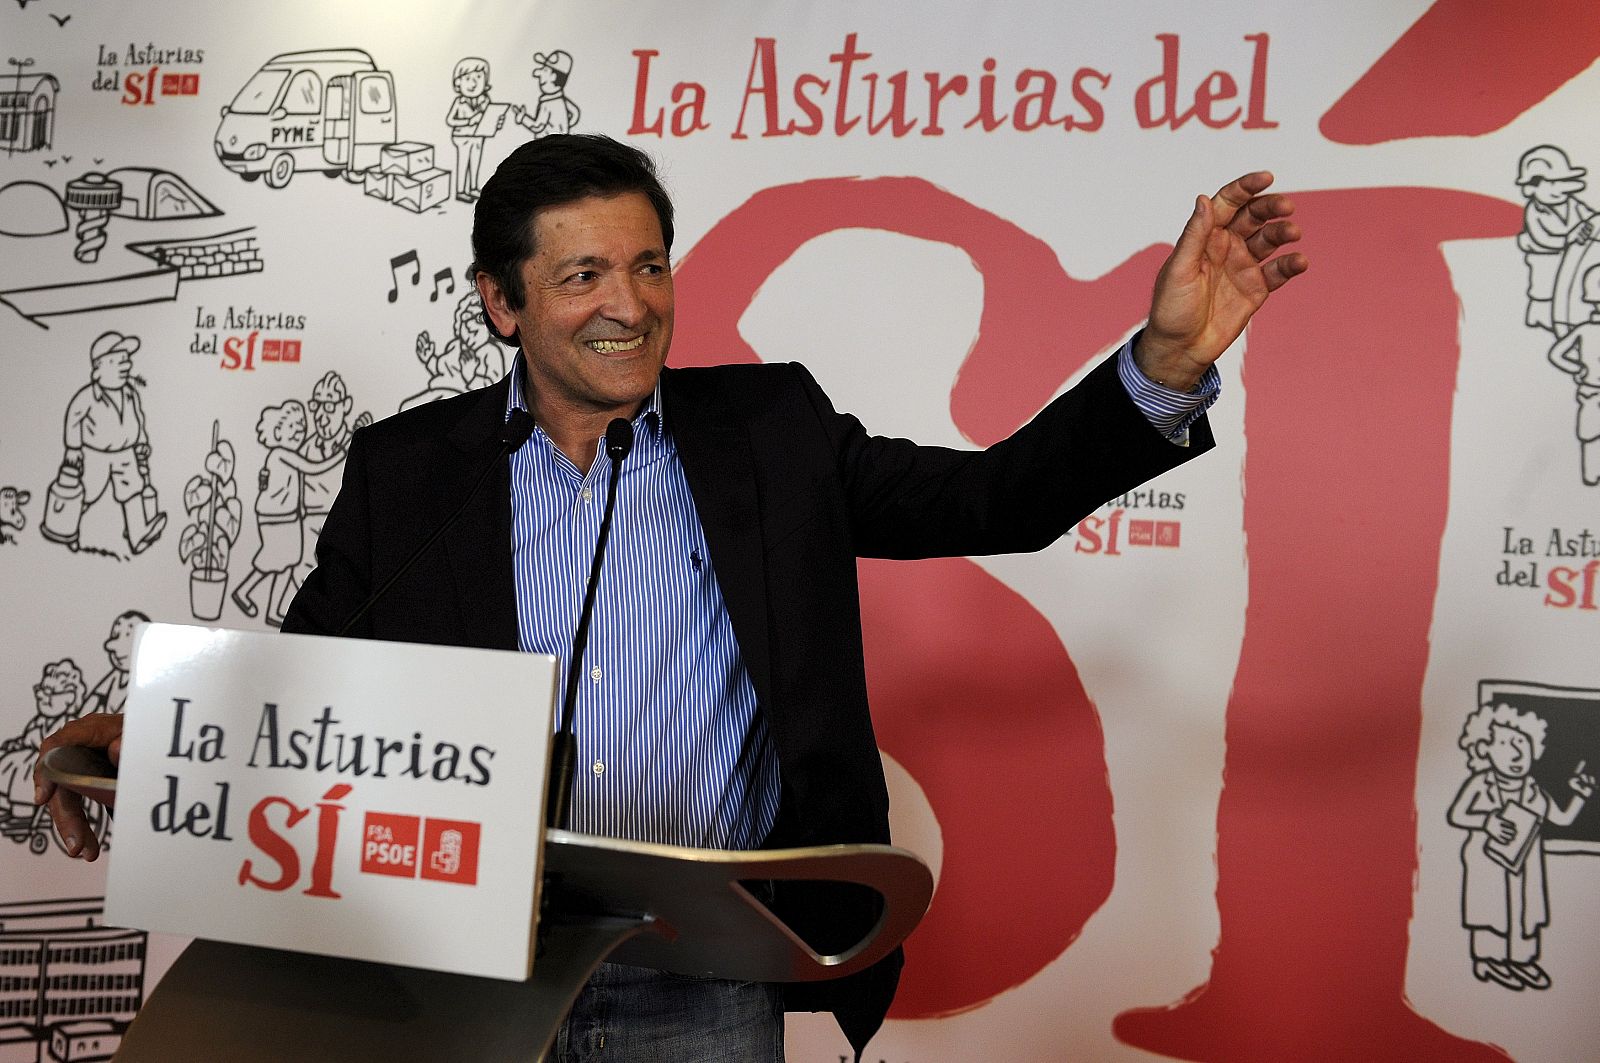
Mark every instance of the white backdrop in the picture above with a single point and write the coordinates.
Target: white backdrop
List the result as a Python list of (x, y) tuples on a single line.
[(1214, 732)]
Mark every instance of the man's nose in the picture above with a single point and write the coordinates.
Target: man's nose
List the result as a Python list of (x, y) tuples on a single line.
[(624, 302)]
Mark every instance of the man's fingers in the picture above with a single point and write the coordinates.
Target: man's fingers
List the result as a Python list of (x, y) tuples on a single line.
[(1259, 212), (1234, 195), (1191, 245), (66, 812), (1283, 269), (1266, 240), (98, 731)]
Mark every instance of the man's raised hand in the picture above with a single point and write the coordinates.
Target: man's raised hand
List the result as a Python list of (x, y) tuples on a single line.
[(1223, 268)]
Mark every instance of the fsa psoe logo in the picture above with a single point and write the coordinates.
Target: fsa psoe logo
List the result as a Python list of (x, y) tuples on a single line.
[(444, 850)]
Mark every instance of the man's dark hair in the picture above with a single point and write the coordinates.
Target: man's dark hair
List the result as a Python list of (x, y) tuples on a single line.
[(551, 172)]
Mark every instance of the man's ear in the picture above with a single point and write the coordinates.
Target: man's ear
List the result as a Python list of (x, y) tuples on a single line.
[(497, 315)]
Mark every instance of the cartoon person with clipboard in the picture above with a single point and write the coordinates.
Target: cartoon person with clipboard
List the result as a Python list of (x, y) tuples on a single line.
[(1501, 807)]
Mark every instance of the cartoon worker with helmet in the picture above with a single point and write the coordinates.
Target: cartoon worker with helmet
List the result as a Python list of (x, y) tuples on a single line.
[(106, 446), (1553, 220)]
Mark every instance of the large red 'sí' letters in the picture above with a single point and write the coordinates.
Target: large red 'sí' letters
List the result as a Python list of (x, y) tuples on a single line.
[(1467, 68), (1316, 827), (1316, 830), (998, 731)]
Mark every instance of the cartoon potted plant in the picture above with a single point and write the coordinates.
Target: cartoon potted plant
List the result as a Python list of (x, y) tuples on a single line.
[(212, 503)]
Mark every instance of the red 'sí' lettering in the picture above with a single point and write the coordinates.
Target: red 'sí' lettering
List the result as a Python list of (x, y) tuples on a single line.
[(1327, 882), (1563, 595), (273, 845), (140, 88), (1408, 92), (923, 672), (1314, 887), (327, 836), (282, 851), (232, 358), (1090, 540)]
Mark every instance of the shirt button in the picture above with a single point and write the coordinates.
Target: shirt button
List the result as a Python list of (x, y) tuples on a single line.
[(594, 673), (587, 494), (598, 768)]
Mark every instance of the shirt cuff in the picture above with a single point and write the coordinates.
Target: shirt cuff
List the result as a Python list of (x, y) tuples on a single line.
[(1169, 412)]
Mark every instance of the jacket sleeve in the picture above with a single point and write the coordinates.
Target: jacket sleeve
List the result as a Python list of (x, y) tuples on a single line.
[(1021, 494), (342, 579)]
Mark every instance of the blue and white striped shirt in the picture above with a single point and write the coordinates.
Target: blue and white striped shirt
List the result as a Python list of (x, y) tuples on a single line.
[(1171, 412), (671, 744)]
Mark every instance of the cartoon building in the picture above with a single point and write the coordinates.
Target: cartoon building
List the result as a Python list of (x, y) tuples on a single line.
[(67, 981), (27, 111)]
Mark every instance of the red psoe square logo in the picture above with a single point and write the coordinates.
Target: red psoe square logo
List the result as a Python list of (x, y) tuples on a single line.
[(180, 84), (291, 350), (1141, 532), (450, 851), (389, 845), (271, 350), (171, 84), (1167, 532)]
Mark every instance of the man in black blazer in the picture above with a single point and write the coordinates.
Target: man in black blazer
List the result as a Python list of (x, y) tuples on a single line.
[(572, 248)]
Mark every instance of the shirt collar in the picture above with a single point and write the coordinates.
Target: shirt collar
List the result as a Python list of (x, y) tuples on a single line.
[(648, 425)]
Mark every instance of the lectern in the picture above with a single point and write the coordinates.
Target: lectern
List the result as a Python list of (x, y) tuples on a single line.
[(691, 911)]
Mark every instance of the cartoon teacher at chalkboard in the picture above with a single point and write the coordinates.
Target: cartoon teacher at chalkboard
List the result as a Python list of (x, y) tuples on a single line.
[(1501, 807)]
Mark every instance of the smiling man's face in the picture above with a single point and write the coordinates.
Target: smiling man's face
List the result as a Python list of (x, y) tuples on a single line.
[(597, 322)]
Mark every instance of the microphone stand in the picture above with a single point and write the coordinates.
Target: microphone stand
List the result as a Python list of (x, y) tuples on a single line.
[(564, 746)]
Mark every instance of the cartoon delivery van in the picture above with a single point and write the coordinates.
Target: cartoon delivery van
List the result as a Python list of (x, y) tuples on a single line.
[(332, 111)]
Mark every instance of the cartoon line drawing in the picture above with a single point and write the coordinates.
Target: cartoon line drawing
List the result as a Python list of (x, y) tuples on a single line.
[(12, 519), (28, 109), (334, 112), (1578, 354), (73, 983), (1504, 809), (280, 507), (473, 119), (330, 407), (106, 445), (1556, 229), (211, 502), (29, 209), (218, 255), (58, 699), (110, 693), (92, 197), (471, 358), (555, 112)]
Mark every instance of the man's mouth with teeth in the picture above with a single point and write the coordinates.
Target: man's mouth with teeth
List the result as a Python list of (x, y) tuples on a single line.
[(615, 346)]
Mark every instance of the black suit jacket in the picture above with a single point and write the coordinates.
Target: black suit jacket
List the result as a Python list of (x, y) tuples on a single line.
[(789, 493)]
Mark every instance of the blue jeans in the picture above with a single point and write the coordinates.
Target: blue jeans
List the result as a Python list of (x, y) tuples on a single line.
[(638, 1015)]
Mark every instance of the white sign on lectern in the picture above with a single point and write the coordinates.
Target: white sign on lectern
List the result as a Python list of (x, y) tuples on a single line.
[(373, 800)]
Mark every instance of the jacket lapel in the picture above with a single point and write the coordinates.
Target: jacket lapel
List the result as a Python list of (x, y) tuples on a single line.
[(713, 443), (478, 549)]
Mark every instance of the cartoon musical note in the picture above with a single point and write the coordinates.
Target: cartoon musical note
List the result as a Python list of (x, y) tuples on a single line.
[(448, 278), (395, 264)]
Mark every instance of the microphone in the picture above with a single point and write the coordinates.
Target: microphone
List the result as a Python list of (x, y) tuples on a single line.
[(518, 427), (564, 746), (619, 440)]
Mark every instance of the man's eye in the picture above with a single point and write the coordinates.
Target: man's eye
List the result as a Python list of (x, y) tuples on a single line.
[(582, 277)]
